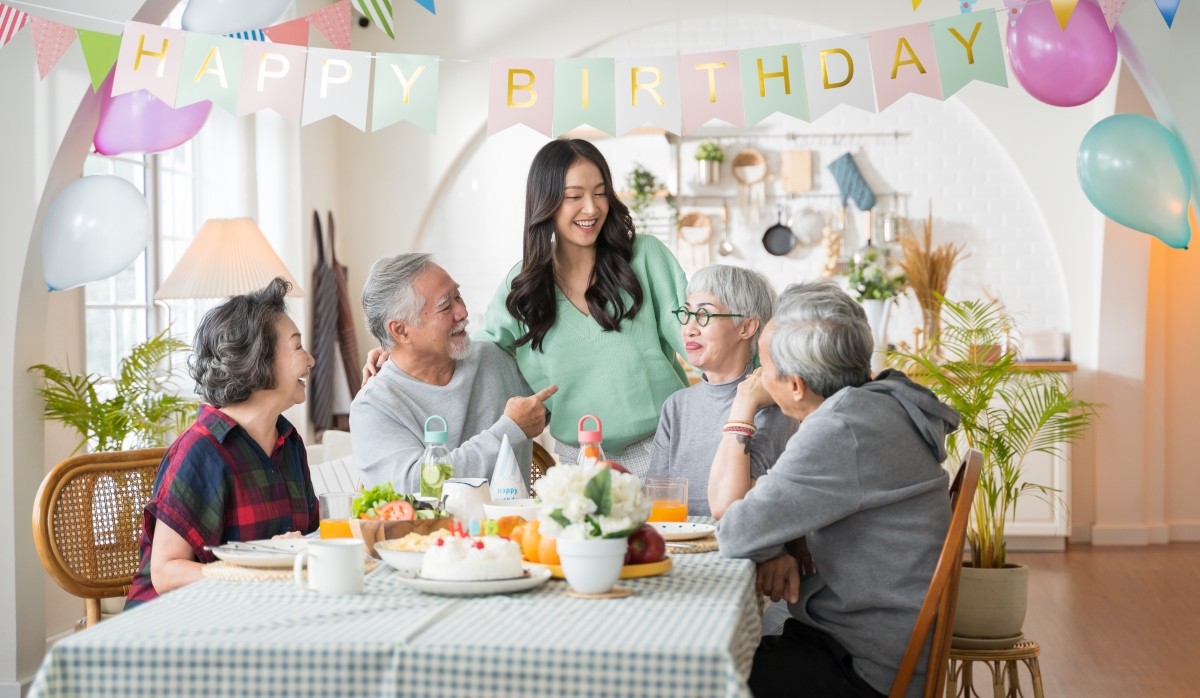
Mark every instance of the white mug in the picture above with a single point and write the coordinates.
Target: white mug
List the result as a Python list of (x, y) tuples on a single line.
[(335, 566), (465, 497)]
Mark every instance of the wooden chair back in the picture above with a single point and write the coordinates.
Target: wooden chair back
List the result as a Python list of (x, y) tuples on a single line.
[(87, 519), (542, 462), (937, 611)]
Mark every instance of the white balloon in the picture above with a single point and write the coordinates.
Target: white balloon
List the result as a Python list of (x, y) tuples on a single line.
[(228, 16), (93, 229)]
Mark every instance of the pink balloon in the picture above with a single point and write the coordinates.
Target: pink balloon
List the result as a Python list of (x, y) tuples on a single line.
[(139, 122), (1062, 68)]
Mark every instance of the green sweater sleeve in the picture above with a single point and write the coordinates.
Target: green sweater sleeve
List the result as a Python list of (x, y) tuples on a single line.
[(500, 327)]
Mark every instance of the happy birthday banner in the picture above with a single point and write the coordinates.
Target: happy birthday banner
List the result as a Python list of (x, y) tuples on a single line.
[(677, 93)]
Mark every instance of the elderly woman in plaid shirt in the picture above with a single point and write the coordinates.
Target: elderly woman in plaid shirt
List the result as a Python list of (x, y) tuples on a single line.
[(240, 471)]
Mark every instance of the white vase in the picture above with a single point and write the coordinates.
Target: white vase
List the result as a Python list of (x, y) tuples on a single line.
[(592, 565), (878, 313)]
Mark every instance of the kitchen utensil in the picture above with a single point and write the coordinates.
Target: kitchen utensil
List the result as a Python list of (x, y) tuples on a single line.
[(750, 170), (795, 171), (465, 497), (808, 227), (695, 229), (851, 183), (726, 247), (779, 238)]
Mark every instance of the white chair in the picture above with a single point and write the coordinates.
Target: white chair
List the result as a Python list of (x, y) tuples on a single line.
[(337, 444), (340, 475)]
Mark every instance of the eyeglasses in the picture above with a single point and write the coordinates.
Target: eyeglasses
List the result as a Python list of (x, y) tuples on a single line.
[(683, 315)]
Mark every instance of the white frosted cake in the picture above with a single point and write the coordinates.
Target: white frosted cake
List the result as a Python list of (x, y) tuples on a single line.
[(472, 559)]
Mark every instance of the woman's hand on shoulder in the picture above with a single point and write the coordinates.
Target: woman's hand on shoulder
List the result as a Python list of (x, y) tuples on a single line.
[(376, 358)]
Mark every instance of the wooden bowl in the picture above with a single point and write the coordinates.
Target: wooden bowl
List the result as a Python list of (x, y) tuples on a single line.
[(371, 532)]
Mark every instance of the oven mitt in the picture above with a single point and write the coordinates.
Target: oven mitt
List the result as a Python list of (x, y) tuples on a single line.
[(851, 183)]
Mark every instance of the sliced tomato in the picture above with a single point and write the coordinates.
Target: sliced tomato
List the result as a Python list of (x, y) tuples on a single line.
[(396, 510)]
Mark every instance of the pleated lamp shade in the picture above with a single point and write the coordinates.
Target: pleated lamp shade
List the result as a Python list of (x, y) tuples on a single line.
[(228, 257)]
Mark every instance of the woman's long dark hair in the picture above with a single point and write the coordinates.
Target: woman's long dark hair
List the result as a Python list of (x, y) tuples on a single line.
[(531, 300)]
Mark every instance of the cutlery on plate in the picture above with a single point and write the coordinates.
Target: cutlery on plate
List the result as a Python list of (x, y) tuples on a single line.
[(238, 545), (681, 545)]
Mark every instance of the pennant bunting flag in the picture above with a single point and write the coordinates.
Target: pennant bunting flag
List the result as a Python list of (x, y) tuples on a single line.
[(521, 92), (1014, 10), (773, 81), (1168, 8), (838, 71), (272, 78), (1112, 11), (968, 48), (337, 83), (379, 12), (150, 59), (904, 60), (583, 94), (966, 6), (710, 87), (916, 4), (100, 53), (294, 32), (50, 41), (427, 4), (249, 35), (212, 70), (647, 93), (334, 23), (406, 89), (1063, 9), (11, 22)]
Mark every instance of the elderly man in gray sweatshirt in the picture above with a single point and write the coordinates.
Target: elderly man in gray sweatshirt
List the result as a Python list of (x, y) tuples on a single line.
[(414, 309), (861, 480)]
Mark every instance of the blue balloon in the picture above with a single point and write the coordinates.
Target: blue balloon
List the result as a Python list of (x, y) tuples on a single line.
[(1138, 173)]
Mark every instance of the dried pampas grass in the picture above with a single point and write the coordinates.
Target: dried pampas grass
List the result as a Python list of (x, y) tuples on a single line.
[(928, 270)]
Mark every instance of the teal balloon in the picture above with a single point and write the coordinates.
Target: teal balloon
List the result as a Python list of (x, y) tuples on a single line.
[(1138, 173)]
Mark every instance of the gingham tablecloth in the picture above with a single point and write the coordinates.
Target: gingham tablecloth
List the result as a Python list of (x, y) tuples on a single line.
[(691, 632)]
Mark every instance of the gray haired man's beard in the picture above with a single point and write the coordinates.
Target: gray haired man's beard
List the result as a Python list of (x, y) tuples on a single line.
[(460, 347)]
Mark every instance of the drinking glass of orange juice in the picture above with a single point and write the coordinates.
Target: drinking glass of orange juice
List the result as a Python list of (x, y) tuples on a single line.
[(335, 514), (668, 498)]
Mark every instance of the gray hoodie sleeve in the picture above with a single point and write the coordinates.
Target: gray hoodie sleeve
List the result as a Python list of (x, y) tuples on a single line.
[(805, 490)]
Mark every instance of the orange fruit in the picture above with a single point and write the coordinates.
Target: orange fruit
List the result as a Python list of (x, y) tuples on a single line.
[(530, 541), (506, 524), (548, 551), (516, 534)]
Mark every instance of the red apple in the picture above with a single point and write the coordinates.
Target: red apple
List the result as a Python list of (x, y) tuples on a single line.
[(645, 545), (616, 466)]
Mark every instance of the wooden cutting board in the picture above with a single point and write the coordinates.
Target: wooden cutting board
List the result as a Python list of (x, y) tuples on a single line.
[(796, 171)]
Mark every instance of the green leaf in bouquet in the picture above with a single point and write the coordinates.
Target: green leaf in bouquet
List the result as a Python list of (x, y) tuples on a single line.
[(599, 490), (559, 519)]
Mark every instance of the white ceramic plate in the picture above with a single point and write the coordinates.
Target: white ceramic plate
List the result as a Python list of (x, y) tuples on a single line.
[(682, 531), (258, 553), (534, 577)]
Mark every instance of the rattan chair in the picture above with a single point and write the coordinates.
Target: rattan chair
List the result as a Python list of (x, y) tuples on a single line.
[(937, 611), (542, 462), (87, 518)]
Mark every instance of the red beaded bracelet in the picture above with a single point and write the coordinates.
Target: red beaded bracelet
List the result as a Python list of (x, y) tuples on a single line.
[(739, 429)]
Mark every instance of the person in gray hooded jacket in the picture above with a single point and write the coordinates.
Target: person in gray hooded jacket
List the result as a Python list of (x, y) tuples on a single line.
[(861, 480)]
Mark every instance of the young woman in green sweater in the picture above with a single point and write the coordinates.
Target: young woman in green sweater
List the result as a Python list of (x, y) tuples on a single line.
[(589, 307)]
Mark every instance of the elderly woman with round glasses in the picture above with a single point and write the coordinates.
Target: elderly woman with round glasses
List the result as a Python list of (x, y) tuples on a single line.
[(721, 321), (240, 471)]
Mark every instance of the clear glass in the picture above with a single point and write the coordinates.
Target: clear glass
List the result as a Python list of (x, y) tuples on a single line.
[(335, 514), (435, 469), (591, 453), (668, 498)]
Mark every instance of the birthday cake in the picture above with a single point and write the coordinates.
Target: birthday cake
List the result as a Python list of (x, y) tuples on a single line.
[(472, 559)]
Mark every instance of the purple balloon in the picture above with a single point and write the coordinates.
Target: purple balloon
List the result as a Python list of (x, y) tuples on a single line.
[(139, 122), (1064, 68)]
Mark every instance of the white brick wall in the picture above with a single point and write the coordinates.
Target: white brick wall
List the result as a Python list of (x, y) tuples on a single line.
[(949, 159)]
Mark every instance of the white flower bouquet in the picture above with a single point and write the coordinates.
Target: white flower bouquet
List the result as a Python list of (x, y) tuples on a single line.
[(590, 501)]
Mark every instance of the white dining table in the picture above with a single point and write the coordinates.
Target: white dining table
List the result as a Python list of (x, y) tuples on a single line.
[(691, 632)]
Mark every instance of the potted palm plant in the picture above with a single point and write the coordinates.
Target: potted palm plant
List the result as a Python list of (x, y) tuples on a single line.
[(709, 157), (138, 408), (1008, 412)]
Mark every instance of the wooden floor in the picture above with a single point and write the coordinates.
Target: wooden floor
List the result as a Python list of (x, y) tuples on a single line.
[(1116, 622)]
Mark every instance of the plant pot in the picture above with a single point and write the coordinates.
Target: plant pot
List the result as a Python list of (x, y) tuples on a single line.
[(709, 172), (878, 312), (991, 604), (592, 565)]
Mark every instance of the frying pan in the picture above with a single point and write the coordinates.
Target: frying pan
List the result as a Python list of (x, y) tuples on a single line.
[(779, 238)]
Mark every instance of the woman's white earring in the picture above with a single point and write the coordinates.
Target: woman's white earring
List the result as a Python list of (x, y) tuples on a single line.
[(553, 237)]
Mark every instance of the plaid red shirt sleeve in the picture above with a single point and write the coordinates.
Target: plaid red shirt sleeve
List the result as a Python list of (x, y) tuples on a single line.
[(216, 484)]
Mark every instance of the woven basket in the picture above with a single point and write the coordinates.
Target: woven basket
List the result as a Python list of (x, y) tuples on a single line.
[(371, 532)]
